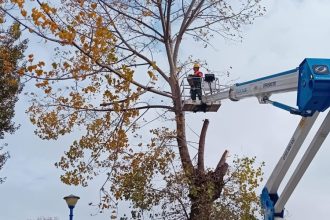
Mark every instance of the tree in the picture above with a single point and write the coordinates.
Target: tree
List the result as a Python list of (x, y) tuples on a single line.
[(239, 200), (3, 158), (11, 53), (109, 77)]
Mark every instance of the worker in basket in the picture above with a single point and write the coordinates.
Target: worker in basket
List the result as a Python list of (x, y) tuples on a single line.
[(195, 82)]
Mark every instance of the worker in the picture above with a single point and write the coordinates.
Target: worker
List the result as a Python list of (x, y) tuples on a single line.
[(196, 87), (196, 70)]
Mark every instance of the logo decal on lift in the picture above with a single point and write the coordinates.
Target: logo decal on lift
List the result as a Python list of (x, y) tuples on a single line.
[(288, 148), (321, 69), (270, 84), (241, 91)]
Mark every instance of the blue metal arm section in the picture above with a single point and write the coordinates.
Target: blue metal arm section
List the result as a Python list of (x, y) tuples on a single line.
[(292, 110), (268, 203)]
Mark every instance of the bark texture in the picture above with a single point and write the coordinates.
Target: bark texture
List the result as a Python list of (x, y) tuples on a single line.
[(206, 188)]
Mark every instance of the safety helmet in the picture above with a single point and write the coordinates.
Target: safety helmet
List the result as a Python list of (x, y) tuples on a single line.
[(196, 65)]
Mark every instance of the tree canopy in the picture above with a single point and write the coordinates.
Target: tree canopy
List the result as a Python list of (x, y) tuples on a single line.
[(11, 53), (116, 70)]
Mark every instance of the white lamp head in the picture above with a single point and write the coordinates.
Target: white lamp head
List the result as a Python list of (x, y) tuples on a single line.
[(71, 200)]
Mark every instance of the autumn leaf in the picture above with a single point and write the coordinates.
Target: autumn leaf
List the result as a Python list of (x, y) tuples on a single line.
[(93, 5), (23, 12)]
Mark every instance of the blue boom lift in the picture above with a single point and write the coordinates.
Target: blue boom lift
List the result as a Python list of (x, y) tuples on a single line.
[(311, 80)]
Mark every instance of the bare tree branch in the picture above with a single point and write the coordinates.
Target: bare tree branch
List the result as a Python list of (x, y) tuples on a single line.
[(222, 162), (115, 110), (201, 148)]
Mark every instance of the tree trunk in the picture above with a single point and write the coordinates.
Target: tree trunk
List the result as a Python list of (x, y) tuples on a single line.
[(180, 126), (206, 187), (201, 208)]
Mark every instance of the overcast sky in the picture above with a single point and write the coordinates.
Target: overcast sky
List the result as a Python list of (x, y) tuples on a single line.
[(290, 32)]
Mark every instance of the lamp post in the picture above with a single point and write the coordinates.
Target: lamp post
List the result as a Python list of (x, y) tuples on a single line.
[(71, 200)]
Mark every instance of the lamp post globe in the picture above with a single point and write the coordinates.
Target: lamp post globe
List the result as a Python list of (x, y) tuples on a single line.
[(71, 200)]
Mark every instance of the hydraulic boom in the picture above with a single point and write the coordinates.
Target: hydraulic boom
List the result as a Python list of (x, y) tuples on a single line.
[(311, 80)]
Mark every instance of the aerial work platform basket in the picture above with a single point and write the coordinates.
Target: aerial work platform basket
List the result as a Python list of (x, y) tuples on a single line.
[(193, 86)]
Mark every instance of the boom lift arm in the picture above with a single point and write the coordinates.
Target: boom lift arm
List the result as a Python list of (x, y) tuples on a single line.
[(311, 80)]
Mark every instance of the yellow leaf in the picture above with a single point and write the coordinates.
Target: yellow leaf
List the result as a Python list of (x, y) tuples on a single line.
[(151, 74), (48, 90), (20, 71), (54, 65), (30, 68), (39, 72), (93, 5), (41, 63), (23, 12)]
